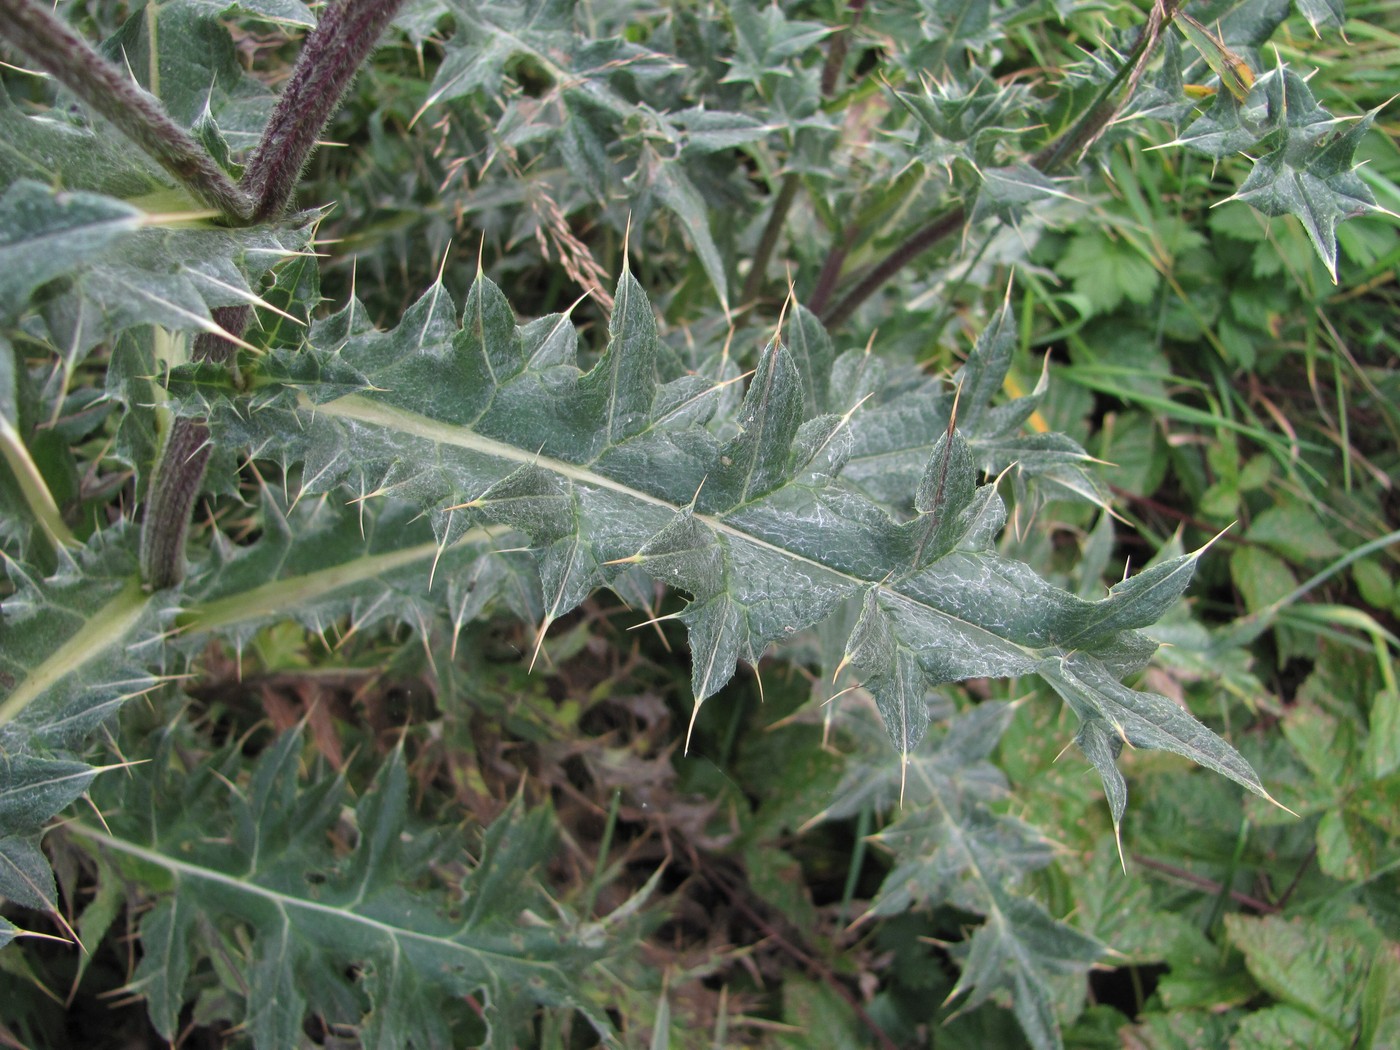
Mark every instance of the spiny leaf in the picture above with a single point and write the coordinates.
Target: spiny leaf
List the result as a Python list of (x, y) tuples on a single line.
[(25, 876), (756, 461), (1142, 719), (181, 52), (119, 270), (893, 436), (762, 530), (625, 376), (61, 151), (47, 234), (947, 489), (1304, 167), (1317, 185), (32, 789), (71, 645), (312, 917), (952, 846), (1016, 949)]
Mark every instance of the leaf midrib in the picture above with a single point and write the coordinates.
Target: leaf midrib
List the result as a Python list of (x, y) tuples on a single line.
[(287, 902), (363, 410)]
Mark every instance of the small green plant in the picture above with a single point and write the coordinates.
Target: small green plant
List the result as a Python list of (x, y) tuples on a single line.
[(394, 465)]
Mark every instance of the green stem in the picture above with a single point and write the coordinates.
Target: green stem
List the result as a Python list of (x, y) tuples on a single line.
[(71, 60)]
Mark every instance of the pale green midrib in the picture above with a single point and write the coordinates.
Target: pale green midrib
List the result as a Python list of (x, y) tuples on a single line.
[(106, 627), (279, 596), (363, 410), (152, 26), (287, 902), (32, 487)]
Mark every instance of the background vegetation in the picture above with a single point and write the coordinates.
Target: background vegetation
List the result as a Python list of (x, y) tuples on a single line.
[(359, 744)]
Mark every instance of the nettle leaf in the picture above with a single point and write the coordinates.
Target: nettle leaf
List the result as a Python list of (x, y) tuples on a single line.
[(611, 472), (359, 935)]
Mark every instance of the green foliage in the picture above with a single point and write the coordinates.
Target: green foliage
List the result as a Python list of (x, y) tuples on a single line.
[(311, 909), (431, 847)]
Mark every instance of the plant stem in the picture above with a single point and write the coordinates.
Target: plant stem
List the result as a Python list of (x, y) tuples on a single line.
[(333, 51), (1085, 130), (787, 193), (179, 472), (771, 231), (59, 51), (1209, 885), (949, 222), (830, 272)]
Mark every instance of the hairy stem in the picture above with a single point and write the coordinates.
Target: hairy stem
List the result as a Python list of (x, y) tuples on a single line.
[(71, 60), (179, 471), (949, 222), (329, 59), (333, 52), (830, 272), (1052, 157), (1209, 885)]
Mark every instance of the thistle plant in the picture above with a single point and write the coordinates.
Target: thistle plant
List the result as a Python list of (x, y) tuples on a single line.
[(766, 479)]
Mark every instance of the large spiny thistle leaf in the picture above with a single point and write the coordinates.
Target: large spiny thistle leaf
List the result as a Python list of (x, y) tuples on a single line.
[(360, 935), (621, 469), (77, 645), (73, 649)]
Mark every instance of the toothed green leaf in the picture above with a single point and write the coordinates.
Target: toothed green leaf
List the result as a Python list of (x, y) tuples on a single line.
[(303, 918), (608, 473), (1304, 164)]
